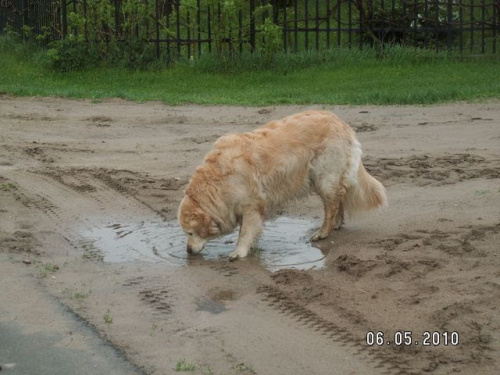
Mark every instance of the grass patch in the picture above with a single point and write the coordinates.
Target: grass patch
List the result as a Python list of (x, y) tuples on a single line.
[(7, 187), (183, 366), (403, 76), (108, 319), (47, 269)]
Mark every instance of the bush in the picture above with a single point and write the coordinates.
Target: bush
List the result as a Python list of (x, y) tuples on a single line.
[(72, 54), (14, 43), (67, 54)]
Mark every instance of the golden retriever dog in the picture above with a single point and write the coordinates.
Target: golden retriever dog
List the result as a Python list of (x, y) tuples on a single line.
[(247, 176)]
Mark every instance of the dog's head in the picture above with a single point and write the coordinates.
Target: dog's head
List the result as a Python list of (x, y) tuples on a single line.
[(198, 226)]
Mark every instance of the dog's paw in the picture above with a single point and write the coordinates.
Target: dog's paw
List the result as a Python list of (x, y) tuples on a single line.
[(237, 254), (234, 255), (318, 235), (338, 226)]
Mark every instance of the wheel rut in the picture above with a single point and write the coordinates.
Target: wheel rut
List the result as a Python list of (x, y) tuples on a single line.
[(78, 198)]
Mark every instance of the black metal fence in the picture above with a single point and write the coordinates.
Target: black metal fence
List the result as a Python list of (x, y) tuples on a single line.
[(189, 28)]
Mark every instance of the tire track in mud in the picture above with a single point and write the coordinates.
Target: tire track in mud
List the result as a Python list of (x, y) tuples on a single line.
[(389, 362), (436, 170), (69, 200), (460, 242), (74, 199), (158, 294)]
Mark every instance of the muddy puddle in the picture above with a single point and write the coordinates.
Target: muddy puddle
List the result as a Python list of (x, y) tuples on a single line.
[(284, 243)]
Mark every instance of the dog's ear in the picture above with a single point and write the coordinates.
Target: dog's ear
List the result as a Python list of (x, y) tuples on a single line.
[(215, 228), (209, 227), (206, 223)]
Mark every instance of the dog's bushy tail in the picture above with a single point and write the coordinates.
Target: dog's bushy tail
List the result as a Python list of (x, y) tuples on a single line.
[(367, 193)]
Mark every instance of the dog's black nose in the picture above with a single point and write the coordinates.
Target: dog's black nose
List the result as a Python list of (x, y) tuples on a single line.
[(189, 250)]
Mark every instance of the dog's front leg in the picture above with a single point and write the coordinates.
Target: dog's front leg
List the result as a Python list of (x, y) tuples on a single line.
[(251, 226)]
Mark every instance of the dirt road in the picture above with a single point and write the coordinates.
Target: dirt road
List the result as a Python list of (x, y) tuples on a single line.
[(88, 198)]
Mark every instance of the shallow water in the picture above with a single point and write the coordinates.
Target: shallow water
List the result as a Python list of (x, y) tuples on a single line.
[(284, 243)]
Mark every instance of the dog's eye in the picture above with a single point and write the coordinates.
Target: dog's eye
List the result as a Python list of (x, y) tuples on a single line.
[(190, 234)]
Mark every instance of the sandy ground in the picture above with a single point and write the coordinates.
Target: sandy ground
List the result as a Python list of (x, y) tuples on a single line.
[(428, 263)]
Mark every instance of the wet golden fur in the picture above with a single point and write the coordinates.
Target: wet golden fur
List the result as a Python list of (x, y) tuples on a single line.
[(247, 176)]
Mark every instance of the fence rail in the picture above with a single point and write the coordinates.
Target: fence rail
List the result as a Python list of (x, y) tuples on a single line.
[(189, 28)]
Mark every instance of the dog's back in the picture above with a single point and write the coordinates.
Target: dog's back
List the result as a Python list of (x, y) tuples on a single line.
[(285, 158)]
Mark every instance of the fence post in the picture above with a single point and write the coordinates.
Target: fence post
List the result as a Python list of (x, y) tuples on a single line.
[(25, 13), (198, 25), (117, 20), (285, 28), (496, 27), (449, 26), (252, 26), (64, 19), (157, 28)]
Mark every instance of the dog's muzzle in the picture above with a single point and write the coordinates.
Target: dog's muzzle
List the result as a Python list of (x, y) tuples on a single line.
[(194, 247)]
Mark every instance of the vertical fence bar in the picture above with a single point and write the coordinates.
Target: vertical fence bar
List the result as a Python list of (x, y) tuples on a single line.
[(306, 18), (157, 28), (198, 26), (415, 23), (275, 7), (285, 27), (230, 39), (275, 11), (437, 25), (75, 28), (449, 24), (361, 30), (495, 27), (483, 27), (118, 29), (209, 29), (219, 38), (370, 20), (64, 17), (339, 23), (471, 21), (85, 25), (328, 24), (264, 16), (188, 35), (349, 16), (25, 14), (240, 31), (178, 28), (461, 27), (252, 26), (295, 25), (387, 29), (317, 25), (426, 17), (168, 11), (146, 19)]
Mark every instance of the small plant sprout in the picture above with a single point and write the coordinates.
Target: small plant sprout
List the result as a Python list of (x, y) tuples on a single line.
[(108, 319), (47, 269), (183, 366)]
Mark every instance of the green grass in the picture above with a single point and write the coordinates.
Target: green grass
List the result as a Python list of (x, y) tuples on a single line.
[(405, 76), (47, 269), (7, 187), (108, 319), (183, 366)]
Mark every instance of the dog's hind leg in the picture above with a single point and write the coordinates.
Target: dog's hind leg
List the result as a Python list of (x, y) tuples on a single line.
[(340, 217), (251, 226), (332, 201)]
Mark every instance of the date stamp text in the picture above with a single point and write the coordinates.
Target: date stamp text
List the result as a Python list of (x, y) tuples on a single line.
[(408, 338)]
